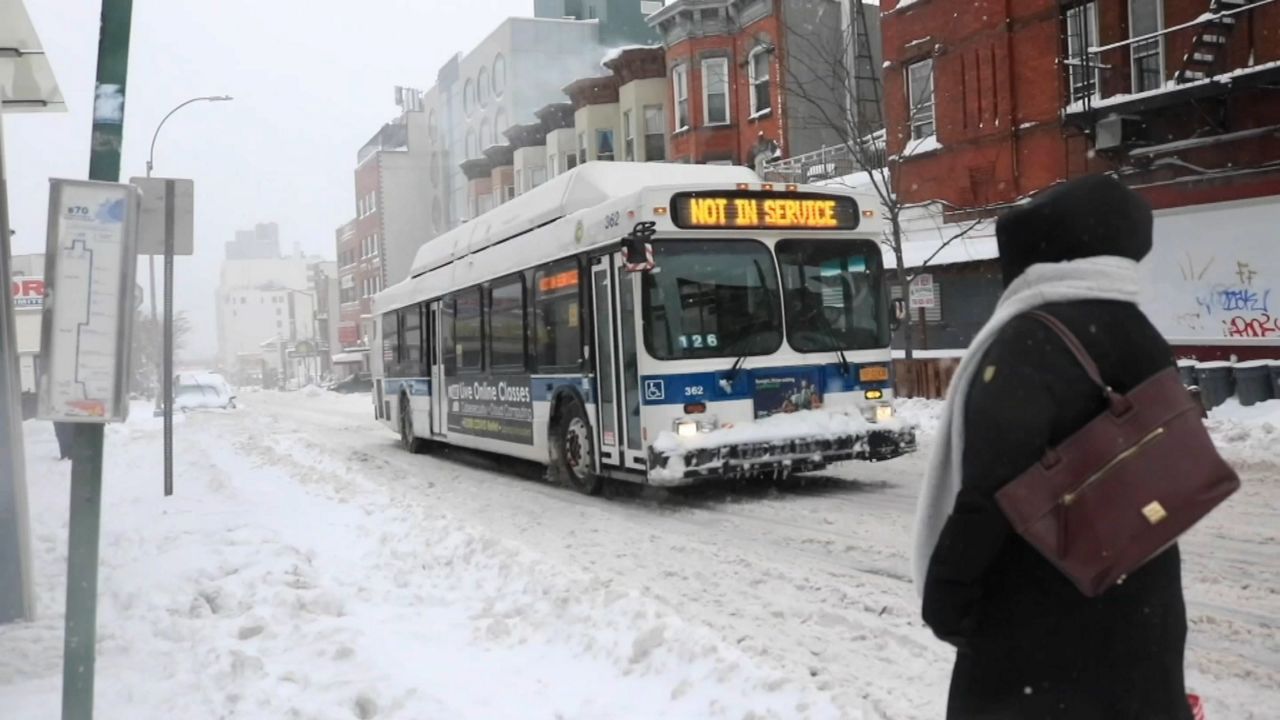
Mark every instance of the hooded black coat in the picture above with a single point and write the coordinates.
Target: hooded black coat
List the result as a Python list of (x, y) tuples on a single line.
[(1030, 645)]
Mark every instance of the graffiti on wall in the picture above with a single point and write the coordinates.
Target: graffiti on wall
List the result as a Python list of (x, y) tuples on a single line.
[(1240, 308)]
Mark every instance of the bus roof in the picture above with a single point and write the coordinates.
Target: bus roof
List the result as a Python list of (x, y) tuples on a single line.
[(578, 189)]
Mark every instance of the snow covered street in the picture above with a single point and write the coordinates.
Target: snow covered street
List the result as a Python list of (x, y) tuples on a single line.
[(308, 568)]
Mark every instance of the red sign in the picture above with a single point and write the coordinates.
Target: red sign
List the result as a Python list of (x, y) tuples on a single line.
[(28, 292), (348, 335)]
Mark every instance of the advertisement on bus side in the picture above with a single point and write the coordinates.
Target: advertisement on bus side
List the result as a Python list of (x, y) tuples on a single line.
[(496, 409)]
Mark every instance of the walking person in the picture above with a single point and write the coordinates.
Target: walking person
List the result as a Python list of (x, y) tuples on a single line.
[(1030, 645)]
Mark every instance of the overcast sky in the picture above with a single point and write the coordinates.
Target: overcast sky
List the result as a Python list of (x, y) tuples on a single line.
[(313, 79)]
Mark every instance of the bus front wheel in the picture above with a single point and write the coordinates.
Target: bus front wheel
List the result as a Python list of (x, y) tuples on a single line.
[(575, 454), (410, 442)]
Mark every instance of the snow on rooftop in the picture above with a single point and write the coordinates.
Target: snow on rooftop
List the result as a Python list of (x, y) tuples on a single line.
[(583, 187), (616, 53)]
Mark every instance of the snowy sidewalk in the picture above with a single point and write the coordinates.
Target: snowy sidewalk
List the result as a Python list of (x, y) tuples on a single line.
[(270, 588)]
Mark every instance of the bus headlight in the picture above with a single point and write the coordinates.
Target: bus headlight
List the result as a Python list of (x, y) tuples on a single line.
[(884, 413), (686, 427)]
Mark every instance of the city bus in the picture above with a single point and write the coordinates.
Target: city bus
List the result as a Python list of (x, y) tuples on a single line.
[(655, 323)]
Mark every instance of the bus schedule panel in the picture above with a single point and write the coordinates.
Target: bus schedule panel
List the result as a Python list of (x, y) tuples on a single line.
[(764, 211)]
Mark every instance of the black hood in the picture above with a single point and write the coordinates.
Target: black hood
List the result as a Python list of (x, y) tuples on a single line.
[(1086, 217)]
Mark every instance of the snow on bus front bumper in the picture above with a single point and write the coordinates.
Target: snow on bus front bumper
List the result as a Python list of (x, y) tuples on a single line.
[(796, 442)]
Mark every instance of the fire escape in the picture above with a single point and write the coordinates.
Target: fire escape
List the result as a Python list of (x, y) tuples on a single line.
[(1206, 56), (1137, 125)]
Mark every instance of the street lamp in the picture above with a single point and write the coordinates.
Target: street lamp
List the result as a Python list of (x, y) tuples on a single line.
[(166, 380), (151, 164)]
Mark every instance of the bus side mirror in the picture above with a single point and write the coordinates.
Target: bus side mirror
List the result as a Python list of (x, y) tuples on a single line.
[(632, 250), (899, 312), (636, 251)]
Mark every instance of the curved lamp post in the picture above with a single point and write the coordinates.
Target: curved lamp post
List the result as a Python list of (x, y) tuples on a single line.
[(166, 380)]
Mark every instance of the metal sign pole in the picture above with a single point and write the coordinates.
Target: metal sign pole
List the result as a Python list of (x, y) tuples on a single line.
[(86, 453), (167, 380), (16, 598)]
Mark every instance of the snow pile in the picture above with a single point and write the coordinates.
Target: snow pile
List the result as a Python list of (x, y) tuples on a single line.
[(803, 425), (1248, 436), (921, 413), (281, 581)]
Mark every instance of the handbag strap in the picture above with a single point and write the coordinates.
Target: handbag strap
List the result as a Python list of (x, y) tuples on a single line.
[(1082, 356)]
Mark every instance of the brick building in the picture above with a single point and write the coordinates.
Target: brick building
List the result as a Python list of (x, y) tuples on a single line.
[(987, 102), (733, 67)]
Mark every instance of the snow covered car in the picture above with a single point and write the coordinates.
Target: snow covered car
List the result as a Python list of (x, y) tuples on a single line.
[(202, 390), (358, 383)]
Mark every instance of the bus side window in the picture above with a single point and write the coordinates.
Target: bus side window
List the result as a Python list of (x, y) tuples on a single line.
[(506, 324), (390, 345), (411, 342), (557, 317), (468, 329), (449, 350)]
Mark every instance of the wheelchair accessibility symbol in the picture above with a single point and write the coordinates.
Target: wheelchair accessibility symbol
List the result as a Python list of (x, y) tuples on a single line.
[(655, 389)]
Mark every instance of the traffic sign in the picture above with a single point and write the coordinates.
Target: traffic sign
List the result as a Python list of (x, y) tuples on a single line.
[(922, 291)]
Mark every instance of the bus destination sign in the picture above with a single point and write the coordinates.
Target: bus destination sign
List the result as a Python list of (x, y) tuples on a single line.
[(764, 211)]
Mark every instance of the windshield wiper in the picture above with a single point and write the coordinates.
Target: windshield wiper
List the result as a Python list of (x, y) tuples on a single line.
[(844, 361), (742, 359)]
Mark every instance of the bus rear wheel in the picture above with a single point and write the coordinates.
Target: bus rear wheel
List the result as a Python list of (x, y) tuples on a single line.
[(574, 458), (410, 442)]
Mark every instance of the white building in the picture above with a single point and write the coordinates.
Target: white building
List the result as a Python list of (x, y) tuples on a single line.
[(260, 301)]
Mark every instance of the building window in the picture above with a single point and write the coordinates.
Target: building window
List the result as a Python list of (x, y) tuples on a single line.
[(680, 92), (486, 135), (604, 144), (715, 91), (468, 90), (570, 161), (482, 87), (553, 165), (920, 96), (759, 71), (1145, 18), (1082, 33), (655, 133), (500, 126), (499, 75), (582, 147), (537, 176), (471, 144), (628, 137)]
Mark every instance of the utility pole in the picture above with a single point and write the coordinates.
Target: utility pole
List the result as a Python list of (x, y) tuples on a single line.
[(86, 452), (16, 597)]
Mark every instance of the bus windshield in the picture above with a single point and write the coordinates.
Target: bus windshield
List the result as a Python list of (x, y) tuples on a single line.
[(713, 298), (833, 294)]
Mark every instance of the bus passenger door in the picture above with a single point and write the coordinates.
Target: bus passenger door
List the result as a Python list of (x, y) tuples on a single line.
[(605, 357), (435, 343)]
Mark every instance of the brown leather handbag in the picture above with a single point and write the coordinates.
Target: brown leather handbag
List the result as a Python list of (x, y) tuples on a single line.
[(1123, 488)]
